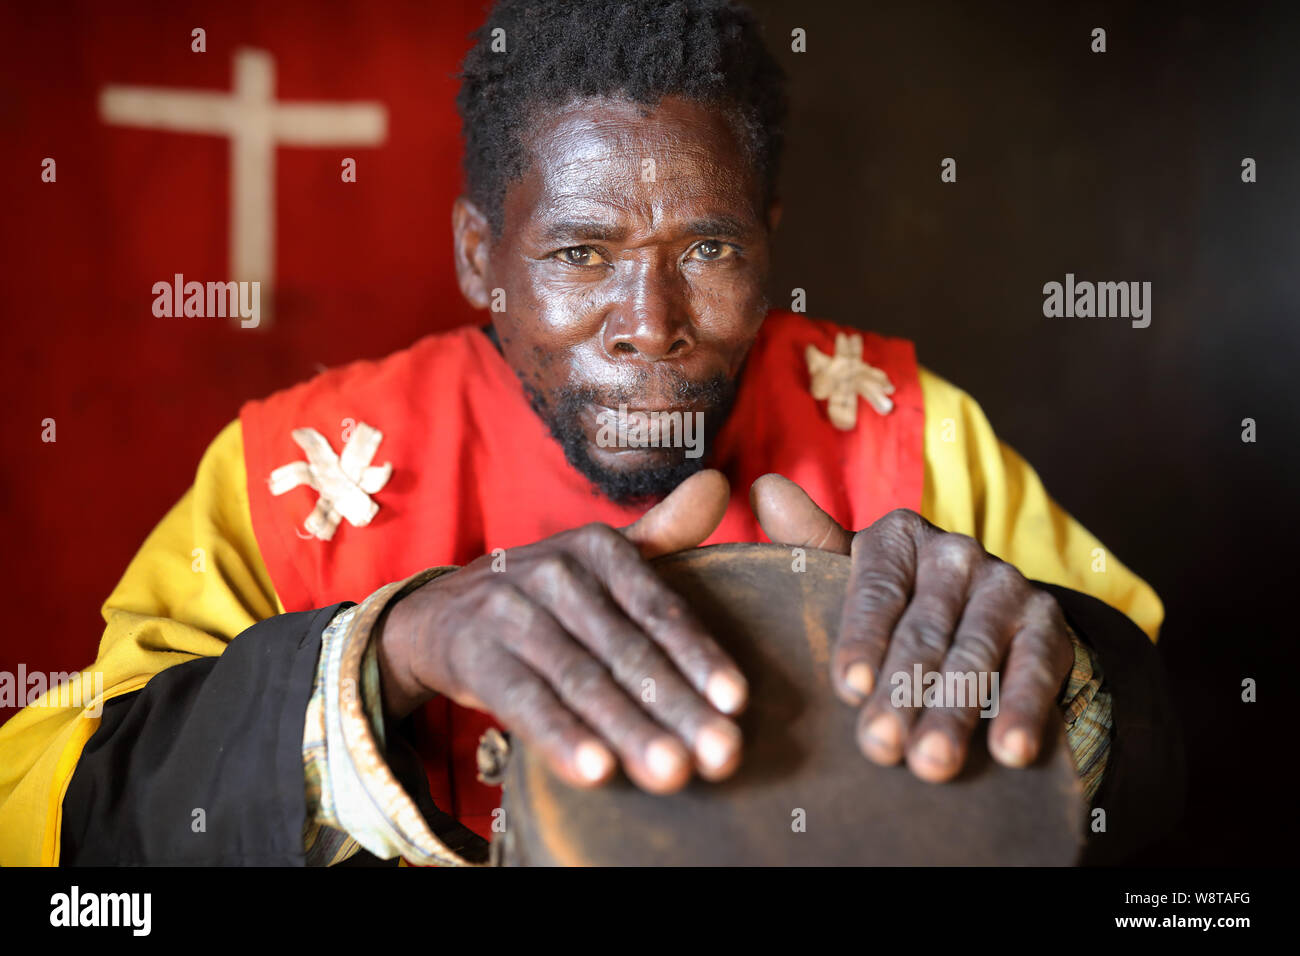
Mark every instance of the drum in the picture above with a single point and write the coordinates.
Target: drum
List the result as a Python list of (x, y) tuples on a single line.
[(804, 794)]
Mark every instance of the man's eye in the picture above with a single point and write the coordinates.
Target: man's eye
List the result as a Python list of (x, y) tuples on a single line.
[(580, 256), (711, 250)]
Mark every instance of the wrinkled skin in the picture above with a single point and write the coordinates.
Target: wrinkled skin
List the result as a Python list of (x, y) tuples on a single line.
[(920, 595), (630, 286), (620, 284)]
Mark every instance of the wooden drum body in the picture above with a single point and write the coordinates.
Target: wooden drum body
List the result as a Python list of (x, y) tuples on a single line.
[(804, 794)]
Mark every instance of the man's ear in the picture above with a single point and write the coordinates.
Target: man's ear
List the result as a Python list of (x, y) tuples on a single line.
[(472, 239), (774, 210)]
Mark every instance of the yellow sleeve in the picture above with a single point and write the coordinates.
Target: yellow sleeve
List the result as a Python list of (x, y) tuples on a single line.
[(196, 583), (978, 486)]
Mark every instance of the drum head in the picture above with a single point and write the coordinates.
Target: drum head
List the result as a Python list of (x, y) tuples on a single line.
[(804, 794)]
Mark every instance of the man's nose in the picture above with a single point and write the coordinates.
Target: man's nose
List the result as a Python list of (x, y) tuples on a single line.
[(650, 320)]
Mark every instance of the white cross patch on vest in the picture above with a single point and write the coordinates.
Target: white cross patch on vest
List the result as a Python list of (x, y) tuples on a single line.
[(345, 482), (842, 377)]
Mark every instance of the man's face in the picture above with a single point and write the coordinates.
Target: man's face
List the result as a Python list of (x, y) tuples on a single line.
[(633, 258)]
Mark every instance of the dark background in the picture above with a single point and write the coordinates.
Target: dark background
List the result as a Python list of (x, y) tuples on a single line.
[(1117, 166), (1122, 166)]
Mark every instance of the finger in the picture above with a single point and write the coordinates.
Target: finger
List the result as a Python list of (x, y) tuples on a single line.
[(661, 613), (940, 740), (653, 758), (788, 516), (523, 702), (1038, 661), (880, 585), (639, 668), (685, 518), (918, 645)]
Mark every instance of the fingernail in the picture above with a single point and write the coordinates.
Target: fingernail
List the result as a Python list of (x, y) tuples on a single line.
[(883, 735), (716, 746), (1015, 748), (726, 690), (936, 749), (593, 760), (664, 757), (859, 676)]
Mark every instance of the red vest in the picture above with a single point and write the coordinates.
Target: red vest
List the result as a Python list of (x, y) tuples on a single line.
[(475, 469)]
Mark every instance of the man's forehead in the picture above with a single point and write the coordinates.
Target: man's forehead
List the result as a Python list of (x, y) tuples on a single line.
[(606, 161)]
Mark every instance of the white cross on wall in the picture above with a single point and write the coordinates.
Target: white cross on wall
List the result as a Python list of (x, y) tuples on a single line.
[(255, 123)]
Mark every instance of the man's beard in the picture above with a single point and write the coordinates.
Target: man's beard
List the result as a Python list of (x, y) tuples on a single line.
[(562, 415)]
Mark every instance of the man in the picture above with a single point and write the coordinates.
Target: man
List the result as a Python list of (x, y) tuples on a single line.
[(481, 496)]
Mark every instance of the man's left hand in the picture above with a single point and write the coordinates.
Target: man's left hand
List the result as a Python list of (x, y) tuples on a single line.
[(920, 595)]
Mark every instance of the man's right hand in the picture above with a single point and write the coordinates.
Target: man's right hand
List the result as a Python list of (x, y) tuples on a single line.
[(562, 647)]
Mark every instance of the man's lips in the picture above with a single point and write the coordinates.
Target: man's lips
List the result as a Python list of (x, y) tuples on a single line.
[(649, 419), (644, 409), (595, 414)]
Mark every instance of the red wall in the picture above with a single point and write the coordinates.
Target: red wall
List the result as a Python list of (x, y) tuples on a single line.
[(361, 268)]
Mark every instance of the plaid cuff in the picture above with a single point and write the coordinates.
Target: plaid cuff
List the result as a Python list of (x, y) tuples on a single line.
[(1086, 706), (353, 799)]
